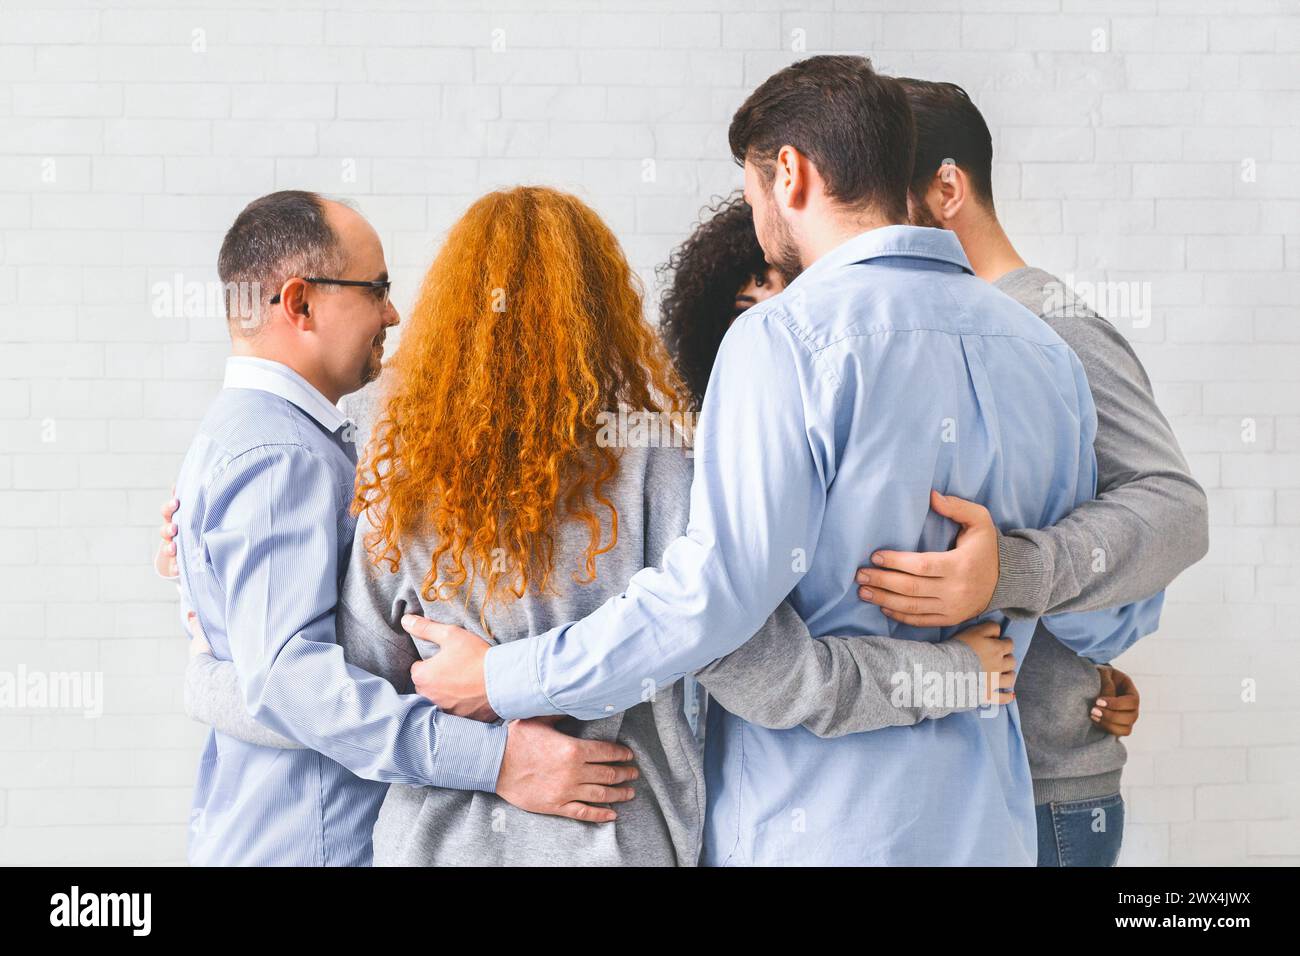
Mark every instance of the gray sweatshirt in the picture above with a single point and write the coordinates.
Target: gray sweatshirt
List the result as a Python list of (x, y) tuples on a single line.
[(1149, 522)]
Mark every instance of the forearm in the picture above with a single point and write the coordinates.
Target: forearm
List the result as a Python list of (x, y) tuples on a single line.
[(1114, 550), (366, 725), (213, 697), (783, 677), (606, 662)]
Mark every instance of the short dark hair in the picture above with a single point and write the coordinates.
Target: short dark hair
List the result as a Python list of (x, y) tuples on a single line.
[(949, 126), (278, 236), (852, 122)]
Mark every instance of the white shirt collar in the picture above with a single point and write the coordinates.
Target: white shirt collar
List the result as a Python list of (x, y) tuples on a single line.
[(244, 371)]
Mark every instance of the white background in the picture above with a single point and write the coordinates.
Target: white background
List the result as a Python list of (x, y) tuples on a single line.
[(1126, 134)]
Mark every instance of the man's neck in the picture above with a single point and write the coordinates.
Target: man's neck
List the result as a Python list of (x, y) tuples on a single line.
[(840, 231), (990, 252)]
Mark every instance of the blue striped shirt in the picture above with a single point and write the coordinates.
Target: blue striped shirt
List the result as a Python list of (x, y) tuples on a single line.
[(885, 370), (263, 539)]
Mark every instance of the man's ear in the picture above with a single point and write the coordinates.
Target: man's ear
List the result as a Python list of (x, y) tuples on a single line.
[(952, 187), (293, 302), (791, 180)]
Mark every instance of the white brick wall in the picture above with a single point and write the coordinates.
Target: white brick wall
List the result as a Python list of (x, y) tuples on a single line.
[(1149, 141)]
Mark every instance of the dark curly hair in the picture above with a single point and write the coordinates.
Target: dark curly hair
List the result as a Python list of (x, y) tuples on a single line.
[(707, 270)]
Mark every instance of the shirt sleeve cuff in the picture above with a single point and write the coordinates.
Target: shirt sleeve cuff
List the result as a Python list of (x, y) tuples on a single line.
[(1020, 590), (468, 753), (510, 679)]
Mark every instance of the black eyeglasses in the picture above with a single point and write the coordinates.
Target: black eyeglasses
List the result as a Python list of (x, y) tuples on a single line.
[(379, 285)]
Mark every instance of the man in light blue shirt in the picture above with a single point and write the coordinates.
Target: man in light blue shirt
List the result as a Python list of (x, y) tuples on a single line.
[(264, 535), (882, 371)]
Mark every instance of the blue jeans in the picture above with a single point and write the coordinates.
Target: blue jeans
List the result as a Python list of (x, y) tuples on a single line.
[(1081, 833)]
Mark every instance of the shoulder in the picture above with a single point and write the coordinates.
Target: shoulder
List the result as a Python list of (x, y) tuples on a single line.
[(991, 310), (1100, 346), (773, 323), (284, 472), (242, 419), (870, 310), (1047, 296), (775, 344), (257, 440)]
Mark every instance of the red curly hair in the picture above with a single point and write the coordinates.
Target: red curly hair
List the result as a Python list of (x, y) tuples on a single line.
[(529, 324)]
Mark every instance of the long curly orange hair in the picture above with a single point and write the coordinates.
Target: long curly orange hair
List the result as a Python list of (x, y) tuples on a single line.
[(529, 324)]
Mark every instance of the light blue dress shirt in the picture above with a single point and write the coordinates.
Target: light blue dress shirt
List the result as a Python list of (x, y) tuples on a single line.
[(263, 539), (886, 369)]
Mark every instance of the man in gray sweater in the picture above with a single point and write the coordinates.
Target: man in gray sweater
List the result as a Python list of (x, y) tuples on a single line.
[(1148, 522)]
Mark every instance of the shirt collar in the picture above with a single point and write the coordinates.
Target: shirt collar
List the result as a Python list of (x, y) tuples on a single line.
[(917, 242), (264, 375)]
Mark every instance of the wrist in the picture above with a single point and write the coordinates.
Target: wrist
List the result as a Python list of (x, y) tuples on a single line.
[(961, 656), (469, 754), (960, 667), (510, 681), (505, 757), (1021, 571)]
